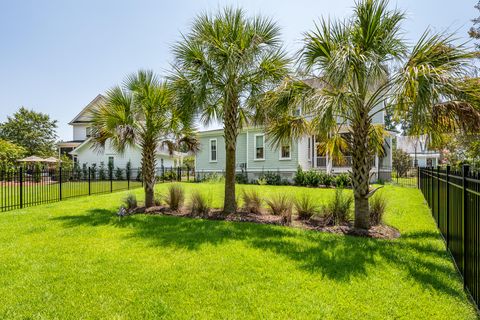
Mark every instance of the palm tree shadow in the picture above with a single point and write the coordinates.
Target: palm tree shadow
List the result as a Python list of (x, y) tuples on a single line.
[(336, 257)]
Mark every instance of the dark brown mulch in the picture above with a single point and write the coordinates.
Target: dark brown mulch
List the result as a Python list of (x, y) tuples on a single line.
[(317, 224)]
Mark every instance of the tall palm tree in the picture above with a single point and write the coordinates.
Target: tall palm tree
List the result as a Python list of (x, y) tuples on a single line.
[(360, 67), (143, 111), (223, 67)]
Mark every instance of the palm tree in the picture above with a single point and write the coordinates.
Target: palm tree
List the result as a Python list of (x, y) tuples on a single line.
[(223, 67), (143, 111), (360, 67)]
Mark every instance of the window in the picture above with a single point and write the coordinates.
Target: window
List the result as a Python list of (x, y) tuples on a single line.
[(285, 152), (213, 150), (259, 147)]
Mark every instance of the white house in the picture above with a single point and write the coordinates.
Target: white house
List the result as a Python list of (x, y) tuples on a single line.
[(80, 148), (418, 149)]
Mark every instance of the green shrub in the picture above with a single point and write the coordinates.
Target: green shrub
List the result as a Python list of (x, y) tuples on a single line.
[(281, 205), (101, 172), (252, 201), (130, 201), (305, 207), (338, 210), (272, 178), (84, 171), (200, 204), (175, 196), (312, 178), (378, 205), (299, 178), (169, 175), (241, 178), (118, 174), (343, 180), (157, 199), (327, 179), (262, 181)]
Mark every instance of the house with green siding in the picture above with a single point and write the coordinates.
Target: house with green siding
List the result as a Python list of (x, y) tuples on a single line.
[(255, 156)]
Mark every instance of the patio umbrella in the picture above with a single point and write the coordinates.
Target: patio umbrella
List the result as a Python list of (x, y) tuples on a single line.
[(51, 160), (31, 159)]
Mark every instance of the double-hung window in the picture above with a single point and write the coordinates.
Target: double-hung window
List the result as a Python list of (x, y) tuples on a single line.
[(259, 147), (285, 150), (213, 150)]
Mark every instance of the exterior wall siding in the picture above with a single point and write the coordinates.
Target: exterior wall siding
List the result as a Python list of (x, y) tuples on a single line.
[(80, 132)]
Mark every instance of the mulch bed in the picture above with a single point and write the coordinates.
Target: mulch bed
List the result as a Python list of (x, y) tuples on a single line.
[(317, 224)]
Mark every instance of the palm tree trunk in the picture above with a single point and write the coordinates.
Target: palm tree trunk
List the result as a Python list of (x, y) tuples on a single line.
[(230, 132), (361, 166), (148, 172)]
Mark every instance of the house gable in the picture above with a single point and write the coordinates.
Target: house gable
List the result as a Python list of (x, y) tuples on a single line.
[(84, 116)]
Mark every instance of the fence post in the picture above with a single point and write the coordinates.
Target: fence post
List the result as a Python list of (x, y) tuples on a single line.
[(438, 196), (60, 181), (89, 181), (465, 170), (111, 180), (447, 209), (127, 172), (21, 187)]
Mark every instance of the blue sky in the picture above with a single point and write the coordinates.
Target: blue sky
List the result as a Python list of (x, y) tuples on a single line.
[(56, 56)]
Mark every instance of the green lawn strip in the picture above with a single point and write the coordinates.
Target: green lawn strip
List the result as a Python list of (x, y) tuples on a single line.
[(76, 259)]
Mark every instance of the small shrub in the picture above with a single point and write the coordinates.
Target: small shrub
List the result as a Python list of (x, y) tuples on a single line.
[(169, 176), (378, 205), (157, 199), (338, 209), (175, 196), (262, 182), (299, 178), (272, 178), (200, 204), (130, 201), (281, 205), (241, 178), (327, 180), (312, 178), (119, 174), (102, 175), (252, 201), (305, 207), (343, 180)]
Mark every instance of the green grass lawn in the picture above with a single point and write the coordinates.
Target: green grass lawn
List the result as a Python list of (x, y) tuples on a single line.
[(76, 259)]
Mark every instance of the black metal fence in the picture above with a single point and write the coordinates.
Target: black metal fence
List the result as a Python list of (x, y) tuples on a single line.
[(454, 198), (22, 187), (405, 177)]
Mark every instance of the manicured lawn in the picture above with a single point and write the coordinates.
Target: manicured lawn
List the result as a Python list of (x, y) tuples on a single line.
[(76, 259)]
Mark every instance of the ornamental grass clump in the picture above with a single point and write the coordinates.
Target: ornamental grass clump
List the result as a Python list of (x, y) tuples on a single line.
[(378, 205), (175, 196), (130, 202), (252, 201), (200, 204), (338, 210), (305, 207), (281, 205)]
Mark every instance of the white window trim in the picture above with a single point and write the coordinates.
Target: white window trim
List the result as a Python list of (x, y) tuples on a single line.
[(255, 150), (280, 152), (210, 150)]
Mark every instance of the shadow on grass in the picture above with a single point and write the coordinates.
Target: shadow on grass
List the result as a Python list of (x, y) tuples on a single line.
[(337, 257)]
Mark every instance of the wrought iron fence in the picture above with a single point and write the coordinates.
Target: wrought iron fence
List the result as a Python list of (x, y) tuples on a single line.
[(405, 177), (22, 187), (454, 198)]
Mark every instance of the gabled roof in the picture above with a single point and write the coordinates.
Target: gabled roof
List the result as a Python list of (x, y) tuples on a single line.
[(96, 101)]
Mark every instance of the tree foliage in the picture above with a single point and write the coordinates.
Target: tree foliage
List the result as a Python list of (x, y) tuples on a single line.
[(10, 153), (32, 130), (474, 31), (362, 66), (401, 162), (223, 66)]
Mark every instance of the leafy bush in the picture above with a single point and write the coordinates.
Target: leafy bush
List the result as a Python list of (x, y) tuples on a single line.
[(85, 171), (378, 205), (262, 181), (175, 196), (200, 204), (130, 201), (281, 205), (241, 178), (252, 201), (119, 174), (101, 172), (343, 180), (338, 210), (93, 171), (272, 178), (213, 177), (327, 179), (312, 178), (299, 178), (169, 175), (305, 207)]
